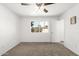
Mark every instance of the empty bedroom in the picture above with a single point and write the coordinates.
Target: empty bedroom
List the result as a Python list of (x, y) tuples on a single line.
[(39, 29)]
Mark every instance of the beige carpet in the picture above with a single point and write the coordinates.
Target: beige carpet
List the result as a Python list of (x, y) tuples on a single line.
[(39, 49)]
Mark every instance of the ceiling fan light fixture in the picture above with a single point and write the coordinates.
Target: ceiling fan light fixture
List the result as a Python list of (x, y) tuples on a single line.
[(45, 10), (39, 4)]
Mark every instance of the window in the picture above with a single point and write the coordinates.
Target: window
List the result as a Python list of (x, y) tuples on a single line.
[(39, 26)]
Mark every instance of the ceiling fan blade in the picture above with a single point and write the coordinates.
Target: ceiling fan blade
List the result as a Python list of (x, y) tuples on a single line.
[(48, 3), (25, 4)]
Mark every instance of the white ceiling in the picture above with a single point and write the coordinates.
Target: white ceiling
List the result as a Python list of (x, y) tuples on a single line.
[(32, 10)]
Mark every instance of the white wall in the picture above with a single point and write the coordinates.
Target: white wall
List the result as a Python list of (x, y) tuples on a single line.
[(72, 30), (8, 30), (28, 36)]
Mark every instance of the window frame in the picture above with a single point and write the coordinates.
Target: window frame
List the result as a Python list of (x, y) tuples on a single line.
[(44, 25)]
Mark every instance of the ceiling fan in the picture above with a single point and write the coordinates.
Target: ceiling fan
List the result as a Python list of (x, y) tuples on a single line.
[(39, 5)]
